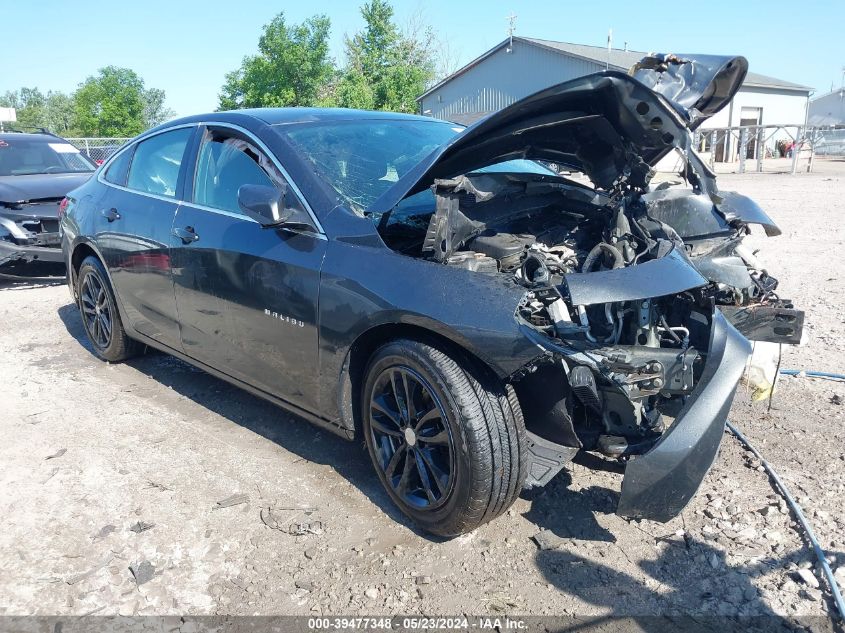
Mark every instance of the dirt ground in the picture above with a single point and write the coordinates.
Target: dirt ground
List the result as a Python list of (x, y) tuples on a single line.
[(111, 477)]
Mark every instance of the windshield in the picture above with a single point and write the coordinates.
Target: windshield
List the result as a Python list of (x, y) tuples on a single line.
[(362, 159), (22, 157)]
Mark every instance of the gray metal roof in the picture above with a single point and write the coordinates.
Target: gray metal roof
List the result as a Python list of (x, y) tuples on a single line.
[(828, 109), (618, 59)]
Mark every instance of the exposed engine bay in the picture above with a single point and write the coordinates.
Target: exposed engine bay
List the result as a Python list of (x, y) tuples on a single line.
[(620, 298), (640, 299)]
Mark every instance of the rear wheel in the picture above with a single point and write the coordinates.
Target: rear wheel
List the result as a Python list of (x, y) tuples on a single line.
[(100, 317), (447, 441)]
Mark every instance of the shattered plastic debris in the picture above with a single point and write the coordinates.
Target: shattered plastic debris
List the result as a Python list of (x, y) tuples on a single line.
[(234, 500), (58, 453), (106, 530), (142, 572), (284, 520), (546, 539), (141, 526), (301, 529), (761, 372)]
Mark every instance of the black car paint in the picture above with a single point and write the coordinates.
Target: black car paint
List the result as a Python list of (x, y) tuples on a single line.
[(611, 113), (31, 187), (330, 290), (131, 246), (697, 86), (477, 315), (226, 283), (353, 299), (589, 124), (666, 276), (32, 198)]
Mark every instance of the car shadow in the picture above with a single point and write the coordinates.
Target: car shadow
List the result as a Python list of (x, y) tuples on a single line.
[(569, 513), (288, 430), (13, 282)]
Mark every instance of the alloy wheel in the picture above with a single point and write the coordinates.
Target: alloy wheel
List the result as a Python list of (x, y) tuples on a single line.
[(96, 310), (411, 437)]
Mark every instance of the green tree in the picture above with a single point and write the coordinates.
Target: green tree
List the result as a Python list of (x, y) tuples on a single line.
[(155, 111), (387, 68), (59, 114), (28, 104), (115, 102), (111, 103), (292, 67)]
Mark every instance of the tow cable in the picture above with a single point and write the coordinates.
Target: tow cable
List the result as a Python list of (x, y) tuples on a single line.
[(819, 552)]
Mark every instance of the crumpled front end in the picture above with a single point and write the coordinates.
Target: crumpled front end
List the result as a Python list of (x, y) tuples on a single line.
[(30, 243), (633, 292), (642, 367), (660, 483)]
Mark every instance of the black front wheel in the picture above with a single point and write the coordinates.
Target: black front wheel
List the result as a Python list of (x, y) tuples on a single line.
[(100, 317), (446, 440)]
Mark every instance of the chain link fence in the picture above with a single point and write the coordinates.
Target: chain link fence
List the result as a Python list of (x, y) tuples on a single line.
[(767, 148), (829, 142), (98, 149)]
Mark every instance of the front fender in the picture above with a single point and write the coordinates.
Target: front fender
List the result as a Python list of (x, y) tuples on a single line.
[(366, 287)]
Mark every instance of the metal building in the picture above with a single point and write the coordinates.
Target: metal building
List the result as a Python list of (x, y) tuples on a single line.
[(827, 113), (828, 110), (520, 66)]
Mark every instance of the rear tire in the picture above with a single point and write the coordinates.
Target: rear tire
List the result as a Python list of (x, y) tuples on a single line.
[(100, 317), (445, 488)]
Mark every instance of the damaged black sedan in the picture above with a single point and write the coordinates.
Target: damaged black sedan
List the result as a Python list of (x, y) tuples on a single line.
[(475, 317), (36, 171)]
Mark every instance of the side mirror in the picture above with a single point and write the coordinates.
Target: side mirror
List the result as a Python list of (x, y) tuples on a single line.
[(265, 205), (269, 207)]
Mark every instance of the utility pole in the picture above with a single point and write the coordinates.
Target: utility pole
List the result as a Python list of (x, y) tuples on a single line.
[(609, 44), (511, 28)]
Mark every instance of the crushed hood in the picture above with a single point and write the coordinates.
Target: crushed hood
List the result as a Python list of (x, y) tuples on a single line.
[(698, 86), (611, 126), (16, 189)]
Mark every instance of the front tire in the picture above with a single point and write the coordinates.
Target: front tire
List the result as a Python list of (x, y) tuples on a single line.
[(447, 441), (100, 318)]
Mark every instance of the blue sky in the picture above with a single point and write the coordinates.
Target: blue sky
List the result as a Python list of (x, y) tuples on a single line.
[(186, 46)]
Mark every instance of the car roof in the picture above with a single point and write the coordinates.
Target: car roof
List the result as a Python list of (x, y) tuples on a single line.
[(281, 116), (29, 136)]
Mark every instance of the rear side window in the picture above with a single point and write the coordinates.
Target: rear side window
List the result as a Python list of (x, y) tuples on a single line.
[(119, 168), (155, 166)]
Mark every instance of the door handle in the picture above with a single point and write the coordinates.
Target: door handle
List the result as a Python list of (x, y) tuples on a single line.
[(187, 235), (110, 214)]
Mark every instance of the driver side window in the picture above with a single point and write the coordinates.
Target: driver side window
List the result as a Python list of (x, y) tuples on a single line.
[(224, 164)]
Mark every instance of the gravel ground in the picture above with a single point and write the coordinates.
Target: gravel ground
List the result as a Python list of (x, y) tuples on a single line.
[(113, 478)]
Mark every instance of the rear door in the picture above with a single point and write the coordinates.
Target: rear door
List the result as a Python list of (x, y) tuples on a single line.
[(247, 296), (134, 219)]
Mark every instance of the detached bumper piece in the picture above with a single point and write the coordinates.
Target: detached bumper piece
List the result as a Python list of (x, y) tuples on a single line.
[(545, 460), (12, 254), (659, 484), (767, 323)]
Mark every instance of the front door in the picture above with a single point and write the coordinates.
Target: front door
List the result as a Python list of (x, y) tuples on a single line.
[(246, 295)]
